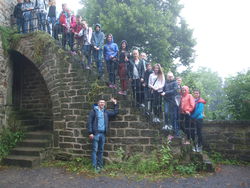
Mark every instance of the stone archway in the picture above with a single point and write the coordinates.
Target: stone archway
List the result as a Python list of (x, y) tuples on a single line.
[(30, 92)]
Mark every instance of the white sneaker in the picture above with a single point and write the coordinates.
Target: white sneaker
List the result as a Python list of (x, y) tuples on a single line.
[(165, 127), (199, 149), (158, 120)]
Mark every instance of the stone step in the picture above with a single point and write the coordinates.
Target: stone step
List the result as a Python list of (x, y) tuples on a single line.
[(29, 122), (34, 143), (38, 135), (26, 151), (21, 160), (34, 127)]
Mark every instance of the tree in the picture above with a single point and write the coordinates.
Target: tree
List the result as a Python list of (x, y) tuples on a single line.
[(237, 90), (211, 87), (154, 26)]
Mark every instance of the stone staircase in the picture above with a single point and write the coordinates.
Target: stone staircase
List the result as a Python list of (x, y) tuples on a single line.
[(35, 146)]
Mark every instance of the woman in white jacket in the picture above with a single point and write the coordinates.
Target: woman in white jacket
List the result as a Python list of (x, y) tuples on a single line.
[(156, 83)]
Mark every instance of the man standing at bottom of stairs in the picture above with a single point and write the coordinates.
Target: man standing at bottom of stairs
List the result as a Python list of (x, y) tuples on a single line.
[(97, 127)]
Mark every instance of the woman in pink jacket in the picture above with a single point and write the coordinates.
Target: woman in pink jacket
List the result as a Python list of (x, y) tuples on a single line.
[(186, 108)]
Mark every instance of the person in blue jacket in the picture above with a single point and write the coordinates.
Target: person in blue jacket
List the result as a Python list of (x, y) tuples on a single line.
[(97, 128), (110, 53), (197, 117)]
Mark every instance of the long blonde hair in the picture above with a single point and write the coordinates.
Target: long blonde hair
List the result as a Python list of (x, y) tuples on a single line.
[(160, 72)]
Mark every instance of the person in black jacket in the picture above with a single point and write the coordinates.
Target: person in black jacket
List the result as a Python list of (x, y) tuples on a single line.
[(97, 127), (170, 106), (136, 75), (147, 94), (18, 15)]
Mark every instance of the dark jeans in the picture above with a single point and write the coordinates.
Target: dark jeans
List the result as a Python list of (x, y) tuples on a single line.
[(137, 90), (156, 103), (52, 21), (28, 22), (171, 111), (197, 124), (97, 150), (19, 22), (186, 125), (41, 17), (98, 59), (86, 50), (111, 68), (65, 38)]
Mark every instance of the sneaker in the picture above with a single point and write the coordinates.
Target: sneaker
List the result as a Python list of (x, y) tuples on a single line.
[(73, 53), (121, 92), (110, 86), (114, 86), (199, 149), (194, 149), (154, 120), (88, 67), (158, 120), (187, 143), (165, 127), (142, 105), (124, 92)]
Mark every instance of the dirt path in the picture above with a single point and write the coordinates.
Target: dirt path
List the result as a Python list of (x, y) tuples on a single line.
[(228, 177)]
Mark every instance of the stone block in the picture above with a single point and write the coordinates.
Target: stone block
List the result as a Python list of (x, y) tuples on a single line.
[(76, 133), (87, 147), (76, 105), (131, 118), (134, 141), (70, 118), (77, 146), (117, 124), (136, 149), (111, 133), (66, 133), (138, 125), (156, 141), (67, 112), (66, 145), (120, 133), (108, 147), (132, 133), (149, 133), (74, 124), (59, 125), (69, 139), (236, 140)]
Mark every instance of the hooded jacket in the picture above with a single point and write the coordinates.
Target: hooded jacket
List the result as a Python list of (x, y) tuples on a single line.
[(187, 102), (199, 109), (93, 119), (97, 38), (110, 50), (170, 90)]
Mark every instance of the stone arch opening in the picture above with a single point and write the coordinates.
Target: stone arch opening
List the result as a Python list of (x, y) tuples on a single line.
[(30, 92)]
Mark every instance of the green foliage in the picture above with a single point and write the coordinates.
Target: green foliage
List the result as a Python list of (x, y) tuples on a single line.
[(9, 137), (157, 164), (186, 169), (237, 90), (211, 87), (153, 26), (6, 36), (96, 89), (218, 158)]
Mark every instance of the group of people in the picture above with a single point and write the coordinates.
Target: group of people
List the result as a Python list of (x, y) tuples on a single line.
[(149, 87), (37, 14)]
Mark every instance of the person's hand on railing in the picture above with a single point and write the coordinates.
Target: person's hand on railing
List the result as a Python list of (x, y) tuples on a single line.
[(163, 93), (142, 80)]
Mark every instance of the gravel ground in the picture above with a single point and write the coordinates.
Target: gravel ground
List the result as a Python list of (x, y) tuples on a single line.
[(227, 176)]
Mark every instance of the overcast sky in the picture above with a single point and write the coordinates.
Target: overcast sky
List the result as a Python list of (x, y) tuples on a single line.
[(221, 29)]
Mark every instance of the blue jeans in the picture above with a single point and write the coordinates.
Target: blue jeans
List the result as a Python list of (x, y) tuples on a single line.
[(86, 50), (98, 59), (28, 22), (51, 20), (171, 111), (19, 22), (41, 21), (97, 150), (111, 68)]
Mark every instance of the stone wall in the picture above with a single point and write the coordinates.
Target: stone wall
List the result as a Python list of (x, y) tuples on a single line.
[(6, 9), (231, 138)]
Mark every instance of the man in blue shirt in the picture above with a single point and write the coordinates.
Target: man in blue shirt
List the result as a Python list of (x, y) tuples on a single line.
[(97, 128)]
